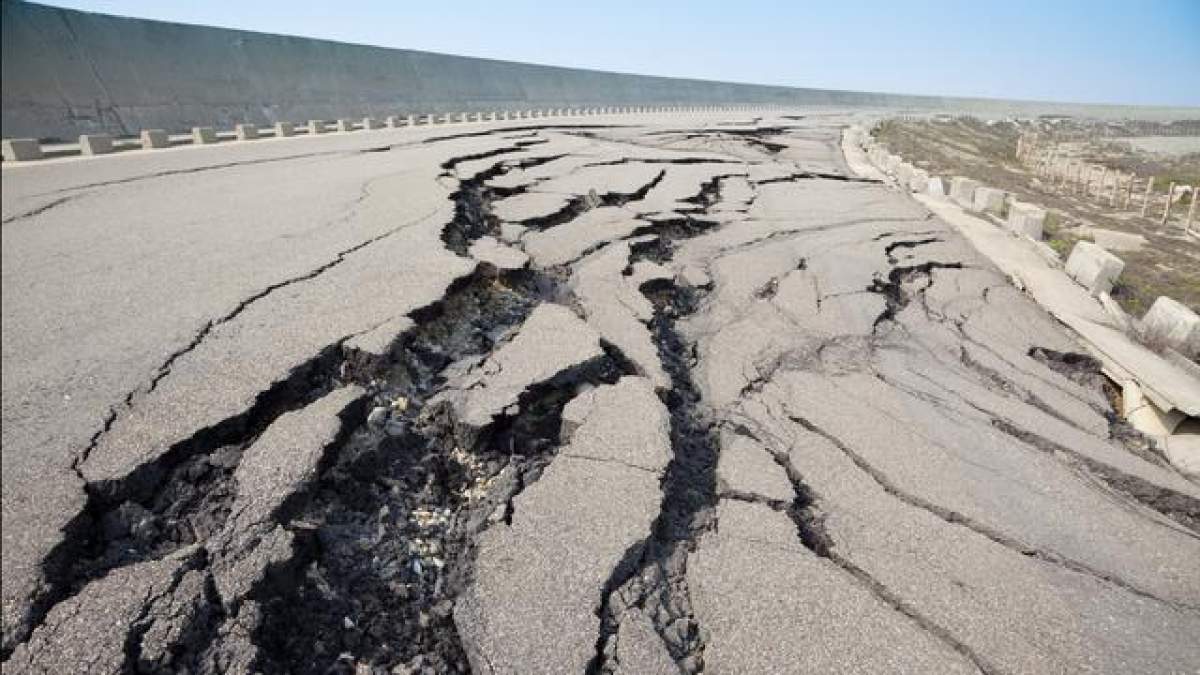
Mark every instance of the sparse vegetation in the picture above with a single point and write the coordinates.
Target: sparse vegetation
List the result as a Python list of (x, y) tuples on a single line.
[(1168, 264)]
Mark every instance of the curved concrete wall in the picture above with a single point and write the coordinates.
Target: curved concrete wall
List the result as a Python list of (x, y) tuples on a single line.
[(67, 72)]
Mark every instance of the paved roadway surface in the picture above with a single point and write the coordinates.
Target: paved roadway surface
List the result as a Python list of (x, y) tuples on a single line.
[(639, 395)]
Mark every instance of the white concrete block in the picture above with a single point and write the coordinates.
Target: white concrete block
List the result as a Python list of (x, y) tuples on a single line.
[(204, 135), (962, 191), (316, 126), (1093, 267), (370, 123), (936, 187), (919, 181), (989, 200), (95, 144), (284, 129), (22, 149), (1173, 324), (246, 132), (1026, 219), (429, 119), (154, 138), (344, 125)]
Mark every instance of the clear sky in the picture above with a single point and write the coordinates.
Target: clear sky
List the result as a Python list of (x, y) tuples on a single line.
[(1094, 51)]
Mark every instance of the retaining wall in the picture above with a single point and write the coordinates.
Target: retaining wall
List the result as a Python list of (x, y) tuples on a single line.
[(67, 72)]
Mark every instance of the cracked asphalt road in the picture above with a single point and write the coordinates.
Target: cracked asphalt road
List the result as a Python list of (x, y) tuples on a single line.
[(647, 395)]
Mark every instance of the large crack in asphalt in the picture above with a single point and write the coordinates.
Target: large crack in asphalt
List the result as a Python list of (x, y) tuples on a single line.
[(183, 498), (652, 576), (394, 518), (897, 289), (809, 519)]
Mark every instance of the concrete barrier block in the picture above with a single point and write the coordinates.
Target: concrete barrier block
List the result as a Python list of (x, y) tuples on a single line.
[(429, 119), (1026, 219), (204, 135), (1094, 268), (370, 123), (410, 120), (344, 125), (154, 138), (1172, 324), (989, 200), (95, 144), (936, 187), (284, 129), (246, 132), (464, 117), (962, 191), (316, 126), (22, 149), (491, 117), (919, 181)]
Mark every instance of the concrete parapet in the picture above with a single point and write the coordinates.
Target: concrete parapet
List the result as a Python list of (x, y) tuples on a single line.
[(204, 135), (989, 200), (1094, 268), (1026, 219), (284, 129), (962, 191), (344, 125), (154, 138), (246, 132), (1171, 324), (95, 144), (22, 149)]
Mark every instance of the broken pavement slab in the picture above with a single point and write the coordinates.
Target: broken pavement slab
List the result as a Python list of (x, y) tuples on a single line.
[(500, 256), (550, 343), (827, 623), (545, 573), (277, 467), (116, 617), (615, 307)]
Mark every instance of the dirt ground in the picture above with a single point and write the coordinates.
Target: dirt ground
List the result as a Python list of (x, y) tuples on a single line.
[(1169, 261)]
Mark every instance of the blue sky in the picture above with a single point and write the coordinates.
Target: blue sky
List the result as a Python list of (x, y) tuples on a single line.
[(1100, 51)]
